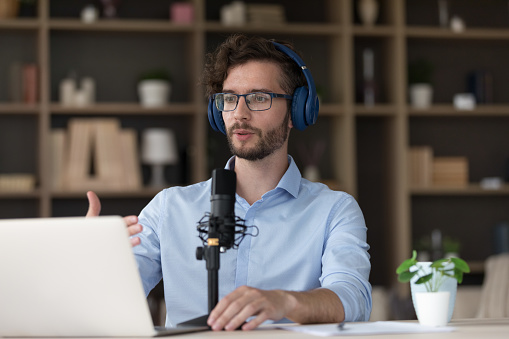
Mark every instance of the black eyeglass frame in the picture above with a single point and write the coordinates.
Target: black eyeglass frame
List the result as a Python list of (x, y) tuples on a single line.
[(272, 95)]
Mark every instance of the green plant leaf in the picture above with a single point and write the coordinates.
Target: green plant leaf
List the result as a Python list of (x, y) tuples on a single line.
[(458, 274), (424, 279), (439, 263), (405, 265), (461, 265), (406, 276)]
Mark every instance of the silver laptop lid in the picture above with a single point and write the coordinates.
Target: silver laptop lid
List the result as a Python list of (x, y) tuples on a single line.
[(70, 277)]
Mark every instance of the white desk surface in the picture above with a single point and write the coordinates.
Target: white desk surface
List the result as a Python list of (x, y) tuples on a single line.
[(465, 329)]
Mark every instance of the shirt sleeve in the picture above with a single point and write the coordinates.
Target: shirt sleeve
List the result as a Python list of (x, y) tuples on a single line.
[(147, 253), (345, 259)]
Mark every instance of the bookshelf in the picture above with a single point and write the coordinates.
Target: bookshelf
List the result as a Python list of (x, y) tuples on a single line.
[(367, 146)]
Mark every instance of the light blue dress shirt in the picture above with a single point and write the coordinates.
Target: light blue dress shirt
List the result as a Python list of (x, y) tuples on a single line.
[(309, 237)]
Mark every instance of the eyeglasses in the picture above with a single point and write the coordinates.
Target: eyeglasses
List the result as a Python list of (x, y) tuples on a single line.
[(257, 101)]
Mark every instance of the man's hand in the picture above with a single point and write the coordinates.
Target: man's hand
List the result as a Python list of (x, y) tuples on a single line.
[(94, 208), (320, 305), (244, 302)]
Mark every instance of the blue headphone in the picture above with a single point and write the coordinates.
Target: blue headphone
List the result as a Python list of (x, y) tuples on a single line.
[(305, 104)]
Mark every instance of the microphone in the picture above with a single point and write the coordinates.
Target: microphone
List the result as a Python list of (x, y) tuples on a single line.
[(222, 205)]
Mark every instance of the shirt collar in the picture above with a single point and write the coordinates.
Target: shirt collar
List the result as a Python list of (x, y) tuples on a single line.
[(290, 181)]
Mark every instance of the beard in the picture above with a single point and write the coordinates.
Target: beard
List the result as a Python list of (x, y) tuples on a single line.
[(266, 145)]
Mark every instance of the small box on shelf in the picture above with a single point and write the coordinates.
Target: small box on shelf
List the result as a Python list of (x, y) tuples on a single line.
[(17, 182), (450, 171)]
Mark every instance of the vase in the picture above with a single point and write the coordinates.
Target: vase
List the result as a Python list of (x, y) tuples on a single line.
[(154, 93), (312, 173), (9, 9), (368, 11), (450, 285), (421, 95), (432, 308)]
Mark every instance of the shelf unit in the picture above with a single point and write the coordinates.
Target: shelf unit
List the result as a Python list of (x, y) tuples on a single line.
[(366, 145)]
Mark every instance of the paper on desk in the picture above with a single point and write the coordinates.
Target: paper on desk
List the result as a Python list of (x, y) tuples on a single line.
[(366, 328)]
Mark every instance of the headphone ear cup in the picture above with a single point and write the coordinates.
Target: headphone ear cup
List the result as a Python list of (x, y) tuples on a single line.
[(210, 114), (215, 117), (312, 107), (299, 108)]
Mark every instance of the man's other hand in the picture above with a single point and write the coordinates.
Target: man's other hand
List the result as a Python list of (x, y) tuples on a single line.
[(94, 209), (231, 312)]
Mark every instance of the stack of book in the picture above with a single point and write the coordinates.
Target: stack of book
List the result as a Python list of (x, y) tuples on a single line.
[(426, 170), (17, 182), (23, 83), (265, 14), (420, 161), (450, 171), (95, 154)]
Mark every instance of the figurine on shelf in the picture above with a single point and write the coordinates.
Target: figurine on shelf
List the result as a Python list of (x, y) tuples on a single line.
[(110, 8), (368, 11)]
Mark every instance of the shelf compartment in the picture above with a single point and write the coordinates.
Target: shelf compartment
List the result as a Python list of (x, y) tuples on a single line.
[(116, 80), (482, 140), (470, 219), (455, 61)]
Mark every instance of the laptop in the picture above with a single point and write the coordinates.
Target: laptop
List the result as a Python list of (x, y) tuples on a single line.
[(70, 277)]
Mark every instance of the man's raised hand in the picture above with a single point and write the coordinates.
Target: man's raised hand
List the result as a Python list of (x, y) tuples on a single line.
[(94, 209)]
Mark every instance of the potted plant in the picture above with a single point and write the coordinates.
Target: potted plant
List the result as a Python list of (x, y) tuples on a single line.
[(433, 286), (419, 79), (154, 88)]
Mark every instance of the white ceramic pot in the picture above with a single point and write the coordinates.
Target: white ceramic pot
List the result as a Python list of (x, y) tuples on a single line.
[(154, 93), (432, 308), (368, 11), (421, 95), (449, 285), (312, 173)]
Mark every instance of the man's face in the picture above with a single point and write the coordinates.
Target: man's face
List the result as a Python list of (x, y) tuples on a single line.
[(253, 135)]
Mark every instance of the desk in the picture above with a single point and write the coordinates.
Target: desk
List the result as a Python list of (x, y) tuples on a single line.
[(465, 329)]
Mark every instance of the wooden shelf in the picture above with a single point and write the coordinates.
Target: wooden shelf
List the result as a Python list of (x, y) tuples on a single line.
[(376, 110), (449, 110), (125, 109), (374, 31), (35, 194), (469, 33), (287, 29), (19, 24), (470, 190), (366, 146), (6, 108), (121, 25), (143, 193)]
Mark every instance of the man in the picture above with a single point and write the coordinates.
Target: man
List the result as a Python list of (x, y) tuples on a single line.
[(309, 262)]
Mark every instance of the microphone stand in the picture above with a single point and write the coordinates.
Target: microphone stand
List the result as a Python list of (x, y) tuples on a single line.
[(211, 255)]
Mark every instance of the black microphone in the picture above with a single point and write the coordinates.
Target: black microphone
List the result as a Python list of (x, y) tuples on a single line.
[(222, 205)]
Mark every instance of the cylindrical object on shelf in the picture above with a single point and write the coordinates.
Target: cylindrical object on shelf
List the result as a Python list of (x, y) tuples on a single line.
[(159, 146), (368, 11)]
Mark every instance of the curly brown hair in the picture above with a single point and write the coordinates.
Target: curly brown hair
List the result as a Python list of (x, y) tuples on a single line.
[(238, 49)]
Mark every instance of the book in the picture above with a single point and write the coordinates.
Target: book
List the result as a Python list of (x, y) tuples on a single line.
[(58, 141), (420, 164)]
